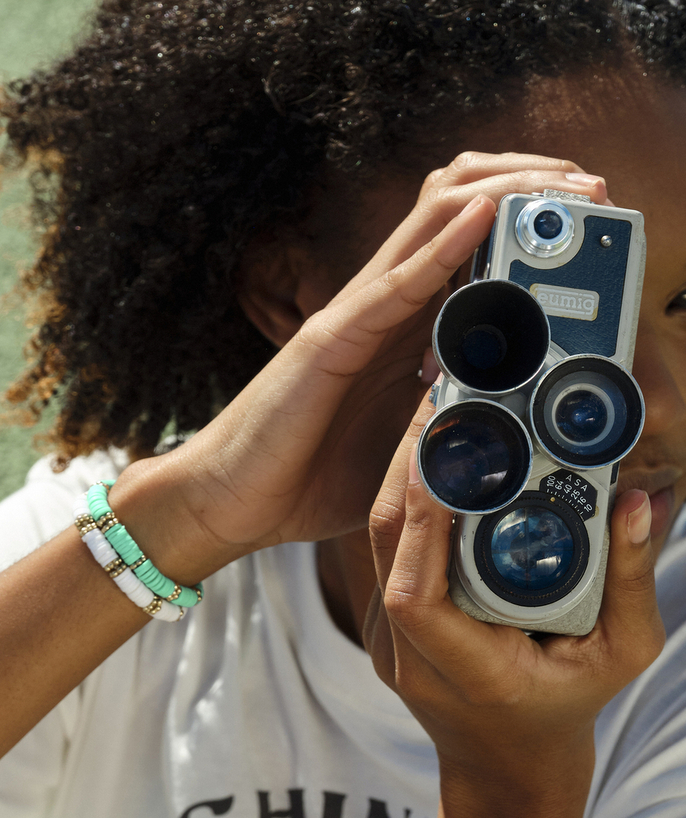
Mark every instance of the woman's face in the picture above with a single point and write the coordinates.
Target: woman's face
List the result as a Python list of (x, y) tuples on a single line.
[(633, 133)]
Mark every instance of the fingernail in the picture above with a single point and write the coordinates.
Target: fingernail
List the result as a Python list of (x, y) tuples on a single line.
[(476, 201), (584, 178), (638, 522)]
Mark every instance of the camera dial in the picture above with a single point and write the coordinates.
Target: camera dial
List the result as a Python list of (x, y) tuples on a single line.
[(544, 228)]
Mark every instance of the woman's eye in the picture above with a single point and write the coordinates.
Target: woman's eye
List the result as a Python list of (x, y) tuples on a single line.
[(678, 303)]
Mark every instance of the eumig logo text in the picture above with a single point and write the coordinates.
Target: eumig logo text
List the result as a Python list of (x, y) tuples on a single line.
[(565, 302)]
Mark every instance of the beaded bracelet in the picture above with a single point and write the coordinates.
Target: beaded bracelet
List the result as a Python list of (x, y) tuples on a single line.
[(127, 549), (115, 567)]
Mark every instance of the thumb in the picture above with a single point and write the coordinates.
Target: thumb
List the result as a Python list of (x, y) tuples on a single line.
[(629, 613)]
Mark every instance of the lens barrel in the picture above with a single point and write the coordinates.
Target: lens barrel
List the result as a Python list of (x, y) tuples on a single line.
[(491, 336), (474, 456), (533, 552), (544, 228), (587, 412)]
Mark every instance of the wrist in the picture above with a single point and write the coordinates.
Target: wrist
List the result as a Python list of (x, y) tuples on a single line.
[(527, 783), (148, 499)]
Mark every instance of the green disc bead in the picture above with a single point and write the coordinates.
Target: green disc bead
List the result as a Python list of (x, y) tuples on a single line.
[(156, 581), (97, 501), (122, 542)]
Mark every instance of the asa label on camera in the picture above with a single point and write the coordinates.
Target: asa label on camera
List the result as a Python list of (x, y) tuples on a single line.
[(566, 302), (574, 489)]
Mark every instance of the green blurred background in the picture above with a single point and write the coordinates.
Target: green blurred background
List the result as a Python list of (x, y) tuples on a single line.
[(33, 33)]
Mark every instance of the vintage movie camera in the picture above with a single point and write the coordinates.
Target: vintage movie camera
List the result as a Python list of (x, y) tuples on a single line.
[(535, 409)]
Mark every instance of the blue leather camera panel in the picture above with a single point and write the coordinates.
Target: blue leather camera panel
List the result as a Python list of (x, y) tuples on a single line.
[(597, 269)]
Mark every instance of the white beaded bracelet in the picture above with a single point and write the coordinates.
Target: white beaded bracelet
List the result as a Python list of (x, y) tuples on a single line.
[(126, 580)]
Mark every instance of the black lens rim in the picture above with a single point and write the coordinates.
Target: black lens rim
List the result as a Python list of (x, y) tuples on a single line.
[(508, 420), (511, 310), (509, 592), (631, 393)]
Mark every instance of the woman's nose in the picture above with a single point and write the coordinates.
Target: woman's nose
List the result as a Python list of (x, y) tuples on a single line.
[(664, 401)]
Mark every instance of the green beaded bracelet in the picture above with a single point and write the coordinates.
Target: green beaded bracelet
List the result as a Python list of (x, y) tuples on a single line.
[(126, 547)]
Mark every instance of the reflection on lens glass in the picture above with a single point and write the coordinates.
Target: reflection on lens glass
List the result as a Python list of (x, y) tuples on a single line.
[(581, 416), (469, 461), (475, 456), (532, 548), (548, 224)]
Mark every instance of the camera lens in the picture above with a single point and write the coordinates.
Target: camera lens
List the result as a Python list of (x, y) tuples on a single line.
[(491, 336), (534, 552), (587, 411), (484, 347), (474, 456), (581, 416), (548, 224), (544, 228), (532, 548)]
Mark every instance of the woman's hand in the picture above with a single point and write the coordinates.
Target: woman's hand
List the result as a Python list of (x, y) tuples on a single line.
[(302, 451), (512, 718), (295, 456)]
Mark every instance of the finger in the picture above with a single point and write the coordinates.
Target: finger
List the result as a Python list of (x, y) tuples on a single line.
[(387, 518), (471, 166), (439, 204), (354, 328), (378, 640), (629, 614), (423, 618)]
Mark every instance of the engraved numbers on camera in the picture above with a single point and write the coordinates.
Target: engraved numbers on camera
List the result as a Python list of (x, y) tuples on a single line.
[(575, 490)]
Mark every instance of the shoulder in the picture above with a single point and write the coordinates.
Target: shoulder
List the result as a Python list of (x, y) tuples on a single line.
[(43, 506)]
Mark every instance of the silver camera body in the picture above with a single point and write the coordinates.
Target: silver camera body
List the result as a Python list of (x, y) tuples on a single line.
[(535, 409)]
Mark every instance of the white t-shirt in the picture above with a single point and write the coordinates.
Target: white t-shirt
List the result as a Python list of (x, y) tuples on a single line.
[(256, 706)]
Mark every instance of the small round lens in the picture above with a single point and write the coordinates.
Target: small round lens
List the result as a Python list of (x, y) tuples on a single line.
[(544, 228), (548, 224), (474, 456), (581, 416), (532, 549), (587, 411)]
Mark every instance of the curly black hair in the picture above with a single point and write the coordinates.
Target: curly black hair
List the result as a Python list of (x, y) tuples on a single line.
[(182, 129)]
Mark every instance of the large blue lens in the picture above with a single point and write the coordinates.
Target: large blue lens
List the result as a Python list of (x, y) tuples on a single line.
[(548, 224), (532, 548), (581, 416)]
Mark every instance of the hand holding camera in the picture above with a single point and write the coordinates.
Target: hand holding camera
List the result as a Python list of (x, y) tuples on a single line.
[(536, 408)]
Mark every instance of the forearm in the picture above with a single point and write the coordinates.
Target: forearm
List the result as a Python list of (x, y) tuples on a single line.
[(60, 617)]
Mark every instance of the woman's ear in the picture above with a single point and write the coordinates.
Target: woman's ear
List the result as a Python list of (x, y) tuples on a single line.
[(270, 290)]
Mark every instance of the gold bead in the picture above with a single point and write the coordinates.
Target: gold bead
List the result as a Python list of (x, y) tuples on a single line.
[(116, 567), (107, 521), (116, 563), (84, 527), (154, 607), (138, 562), (175, 594)]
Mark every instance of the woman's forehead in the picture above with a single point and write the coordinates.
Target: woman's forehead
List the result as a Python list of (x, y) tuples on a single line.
[(626, 127)]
